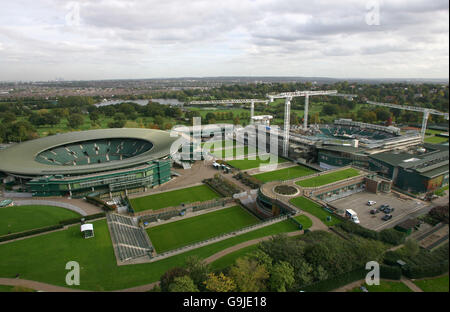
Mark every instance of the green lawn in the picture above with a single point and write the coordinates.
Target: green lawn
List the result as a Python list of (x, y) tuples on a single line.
[(174, 198), (230, 258), (211, 146), (304, 220), (5, 288), (385, 286), (22, 218), (190, 230), (284, 174), (43, 258), (329, 178), (234, 152), (315, 209), (244, 164), (439, 284), (435, 140)]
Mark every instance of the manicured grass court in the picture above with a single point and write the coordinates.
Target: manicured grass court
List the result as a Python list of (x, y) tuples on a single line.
[(385, 286), (329, 178), (244, 164), (304, 220), (43, 258), (315, 209), (236, 151), (435, 140), (284, 174), (439, 284), (190, 230), (15, 219), (174, 198)]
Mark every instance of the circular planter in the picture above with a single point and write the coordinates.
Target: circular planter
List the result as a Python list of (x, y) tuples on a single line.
[(285, 190)]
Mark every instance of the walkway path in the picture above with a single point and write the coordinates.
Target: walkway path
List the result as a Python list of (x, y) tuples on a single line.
[(358, 283), (36, 285)]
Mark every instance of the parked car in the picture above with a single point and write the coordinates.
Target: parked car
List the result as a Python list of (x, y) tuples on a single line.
[(384, 206), (371, 203), (374, 211), (386, 217), (388, 210)]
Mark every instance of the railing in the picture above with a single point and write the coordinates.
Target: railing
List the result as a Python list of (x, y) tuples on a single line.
[(221, 236)]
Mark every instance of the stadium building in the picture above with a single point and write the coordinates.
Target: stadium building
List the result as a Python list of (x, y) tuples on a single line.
[(105, 162), (417, 170)]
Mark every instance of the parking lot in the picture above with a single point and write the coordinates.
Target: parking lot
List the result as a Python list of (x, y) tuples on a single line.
[(358, 203)]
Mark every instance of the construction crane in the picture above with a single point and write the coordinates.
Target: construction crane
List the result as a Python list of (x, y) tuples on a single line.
[(287, 110), (426, 113), (233, 101)]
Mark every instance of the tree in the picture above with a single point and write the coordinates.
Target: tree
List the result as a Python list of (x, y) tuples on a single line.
[(159, 121), (169, 277), (209, 117), (330, 109), (198, 270), (249, 275), (219, 283), (281, 276), (75, 120), (50, 118), (183, 284), (236, 120), (94, 116), (8, 117), (412, 247), (383, 115)]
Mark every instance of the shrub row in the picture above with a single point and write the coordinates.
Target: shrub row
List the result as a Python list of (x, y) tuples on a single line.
[(421, 271), (390, 236), (31, 232), (99, 203), (248, 180), (78, 219), (390, 272), (337, 281), (222, 186)]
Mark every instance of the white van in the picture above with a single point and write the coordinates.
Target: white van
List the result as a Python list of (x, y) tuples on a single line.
[(349, 213)]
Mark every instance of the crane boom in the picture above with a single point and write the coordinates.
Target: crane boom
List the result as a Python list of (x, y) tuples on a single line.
[(232, 101), (426, 113)]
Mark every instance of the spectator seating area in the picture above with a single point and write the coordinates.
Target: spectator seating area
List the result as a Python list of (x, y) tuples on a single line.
[(130, 240), (93, 152)]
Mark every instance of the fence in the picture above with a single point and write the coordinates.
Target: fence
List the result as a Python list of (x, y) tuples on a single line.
[(219, 237), (169, 212)]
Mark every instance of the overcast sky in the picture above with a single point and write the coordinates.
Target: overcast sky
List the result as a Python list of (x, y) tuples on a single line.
[(114, 39)]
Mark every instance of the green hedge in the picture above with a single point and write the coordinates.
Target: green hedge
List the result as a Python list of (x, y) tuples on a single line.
[(99, 203), (336, 282), (354, 228), (31, 232), (390, 272), (78, 219), (421, 271), (390, 236)]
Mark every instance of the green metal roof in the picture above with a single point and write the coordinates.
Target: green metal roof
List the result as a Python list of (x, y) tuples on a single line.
[(391, 158), (20, 160)]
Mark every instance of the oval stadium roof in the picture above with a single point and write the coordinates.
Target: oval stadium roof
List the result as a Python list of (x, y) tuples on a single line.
[(20, 160)]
